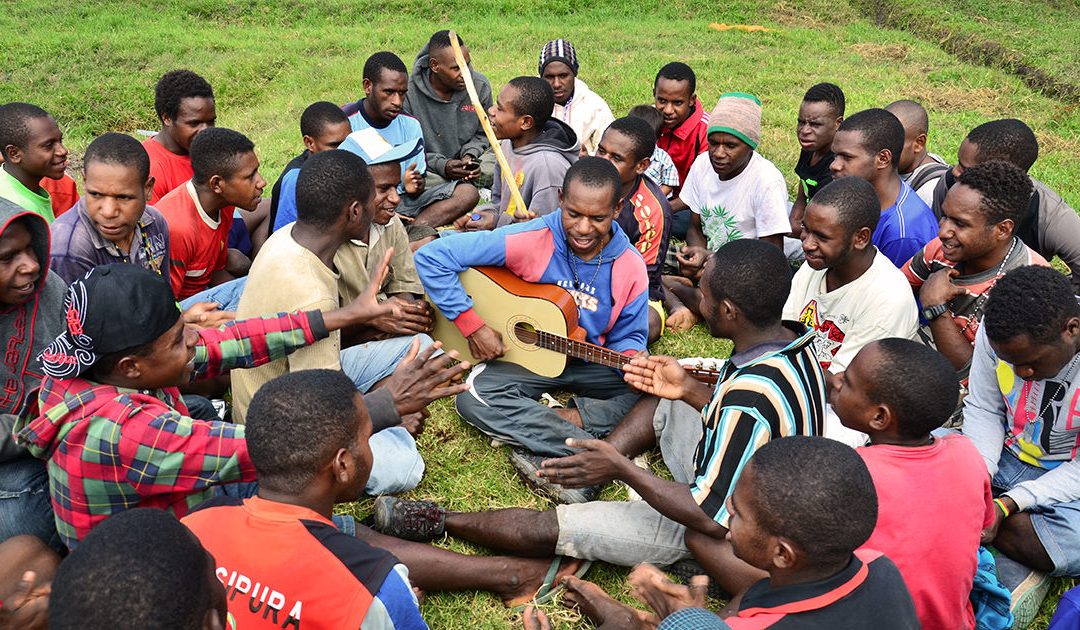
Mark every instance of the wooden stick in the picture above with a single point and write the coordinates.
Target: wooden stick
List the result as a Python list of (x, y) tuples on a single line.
[(504, 165)]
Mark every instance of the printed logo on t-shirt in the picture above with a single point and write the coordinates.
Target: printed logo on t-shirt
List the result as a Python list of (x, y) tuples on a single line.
[(720, 226), (828, 335), (584, 294), (256, 596)]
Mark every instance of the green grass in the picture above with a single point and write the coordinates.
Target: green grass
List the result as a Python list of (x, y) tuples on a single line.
[(94, 64)]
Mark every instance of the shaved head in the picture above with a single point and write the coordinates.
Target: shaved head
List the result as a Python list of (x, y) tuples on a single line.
[(911, 114)]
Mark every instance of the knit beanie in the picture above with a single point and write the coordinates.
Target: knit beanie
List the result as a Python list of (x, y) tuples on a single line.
[(558, 50), (739, 114)]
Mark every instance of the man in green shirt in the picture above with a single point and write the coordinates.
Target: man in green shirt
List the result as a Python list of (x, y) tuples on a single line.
[(32, 148)]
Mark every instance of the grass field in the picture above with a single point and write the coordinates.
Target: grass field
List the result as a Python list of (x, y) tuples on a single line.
[(94, 64)]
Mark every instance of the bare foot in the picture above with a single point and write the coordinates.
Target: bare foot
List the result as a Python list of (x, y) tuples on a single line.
[(599, 607), (652, 587), (529, 577)]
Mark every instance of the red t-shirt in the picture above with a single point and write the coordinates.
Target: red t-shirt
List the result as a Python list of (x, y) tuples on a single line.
[(198, 244), (687, 141), (933, 504), (286, 566), (63, 193), (168, 169)]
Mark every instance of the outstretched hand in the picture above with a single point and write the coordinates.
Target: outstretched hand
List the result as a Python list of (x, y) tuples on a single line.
[(207, 315), (421, 379), (653, 588), (658, 375), (366, 307), (597, 463)]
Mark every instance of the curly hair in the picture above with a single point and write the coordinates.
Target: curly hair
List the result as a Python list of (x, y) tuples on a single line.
[(1008, 140), (1035, 301), (15, 124), (383, 60), (677, 71), (880, 130), (902, 363), (1005, 190), (829, 93), (175, 86)]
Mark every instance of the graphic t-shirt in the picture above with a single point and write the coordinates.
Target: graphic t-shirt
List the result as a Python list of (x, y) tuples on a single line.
[(876, 305), (645, 216), (752, 204), (812, 177), (370, 141)]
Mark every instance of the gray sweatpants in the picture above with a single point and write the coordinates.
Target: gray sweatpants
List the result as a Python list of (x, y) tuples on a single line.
[(503, 404)]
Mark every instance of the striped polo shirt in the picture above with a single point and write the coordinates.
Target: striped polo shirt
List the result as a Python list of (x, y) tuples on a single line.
[(767, 392)]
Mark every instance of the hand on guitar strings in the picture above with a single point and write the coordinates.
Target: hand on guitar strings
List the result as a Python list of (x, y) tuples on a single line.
[(421, 379), (415, 317), (366, 306), (486, 344), (597, 463)]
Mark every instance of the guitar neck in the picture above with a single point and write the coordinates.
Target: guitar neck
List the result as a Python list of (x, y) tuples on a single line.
[(604, 356)]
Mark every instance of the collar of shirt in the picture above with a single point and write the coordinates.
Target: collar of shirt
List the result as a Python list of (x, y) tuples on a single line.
[(198, 207)]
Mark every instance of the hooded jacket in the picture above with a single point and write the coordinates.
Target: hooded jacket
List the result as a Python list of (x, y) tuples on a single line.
[(539, 168), (27, 329), (451, 128)]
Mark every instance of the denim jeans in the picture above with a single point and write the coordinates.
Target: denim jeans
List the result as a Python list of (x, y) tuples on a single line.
[(226, 295), (24, 502)]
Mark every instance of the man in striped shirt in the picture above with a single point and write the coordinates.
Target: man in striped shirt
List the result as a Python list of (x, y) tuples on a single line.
[(772, 387)]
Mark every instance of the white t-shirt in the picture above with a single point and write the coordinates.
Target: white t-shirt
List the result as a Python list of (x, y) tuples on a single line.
[(750, 205), (877, 305)]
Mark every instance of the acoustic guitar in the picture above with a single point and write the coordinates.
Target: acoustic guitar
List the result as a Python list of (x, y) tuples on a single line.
[(538, 324)]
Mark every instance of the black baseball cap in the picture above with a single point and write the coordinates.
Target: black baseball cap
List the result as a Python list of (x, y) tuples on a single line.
[(111, 308)]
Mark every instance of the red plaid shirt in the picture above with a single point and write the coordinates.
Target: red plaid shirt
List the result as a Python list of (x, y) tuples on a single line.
[(111, 448)]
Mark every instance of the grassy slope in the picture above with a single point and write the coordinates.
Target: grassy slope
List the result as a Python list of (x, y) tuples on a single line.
[(95, 67)]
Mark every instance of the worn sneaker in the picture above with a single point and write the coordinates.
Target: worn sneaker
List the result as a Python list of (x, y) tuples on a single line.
[(527, 463), (420, 521), (1028, 588)]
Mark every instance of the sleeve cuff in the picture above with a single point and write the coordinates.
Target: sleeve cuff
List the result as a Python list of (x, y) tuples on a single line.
[(318, 326), (468, 322), (1024, 498), (382, 410)]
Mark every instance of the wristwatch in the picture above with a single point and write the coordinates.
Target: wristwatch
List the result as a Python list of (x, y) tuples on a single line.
[(930, 313)]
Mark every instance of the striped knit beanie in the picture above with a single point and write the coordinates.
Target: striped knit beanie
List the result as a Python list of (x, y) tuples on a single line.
[(739, 114), (558, 50)]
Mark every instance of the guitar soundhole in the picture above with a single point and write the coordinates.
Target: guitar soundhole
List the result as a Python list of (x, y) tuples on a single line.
[(526, 333)]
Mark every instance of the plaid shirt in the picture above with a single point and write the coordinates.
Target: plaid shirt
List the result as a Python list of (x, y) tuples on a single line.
[(111, 448)]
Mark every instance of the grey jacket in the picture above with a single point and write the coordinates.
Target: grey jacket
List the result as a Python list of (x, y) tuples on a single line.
[(539, 168), (451, 128), (26, 329)]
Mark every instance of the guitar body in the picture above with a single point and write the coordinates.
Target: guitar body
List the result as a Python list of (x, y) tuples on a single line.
[(504, 301)]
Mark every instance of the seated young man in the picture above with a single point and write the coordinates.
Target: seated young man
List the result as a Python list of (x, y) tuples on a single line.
[(27, 567), (976, 245), (199, 213), (800, 511), (582, 249), (112, 223), (32, 149), (140, 569), (820, 115), (538, 148), (323, 126), (683, 134), (868, 145), (110, 390), (661, 169), (1021, 415), (1050, 226), (456, 149), (32, 300), (847, 291), (379, 127), (575, 104), (897, 391), (308, 435), (335, 199), (644, 212), (772, 387), (918, 167), (732, 191)]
